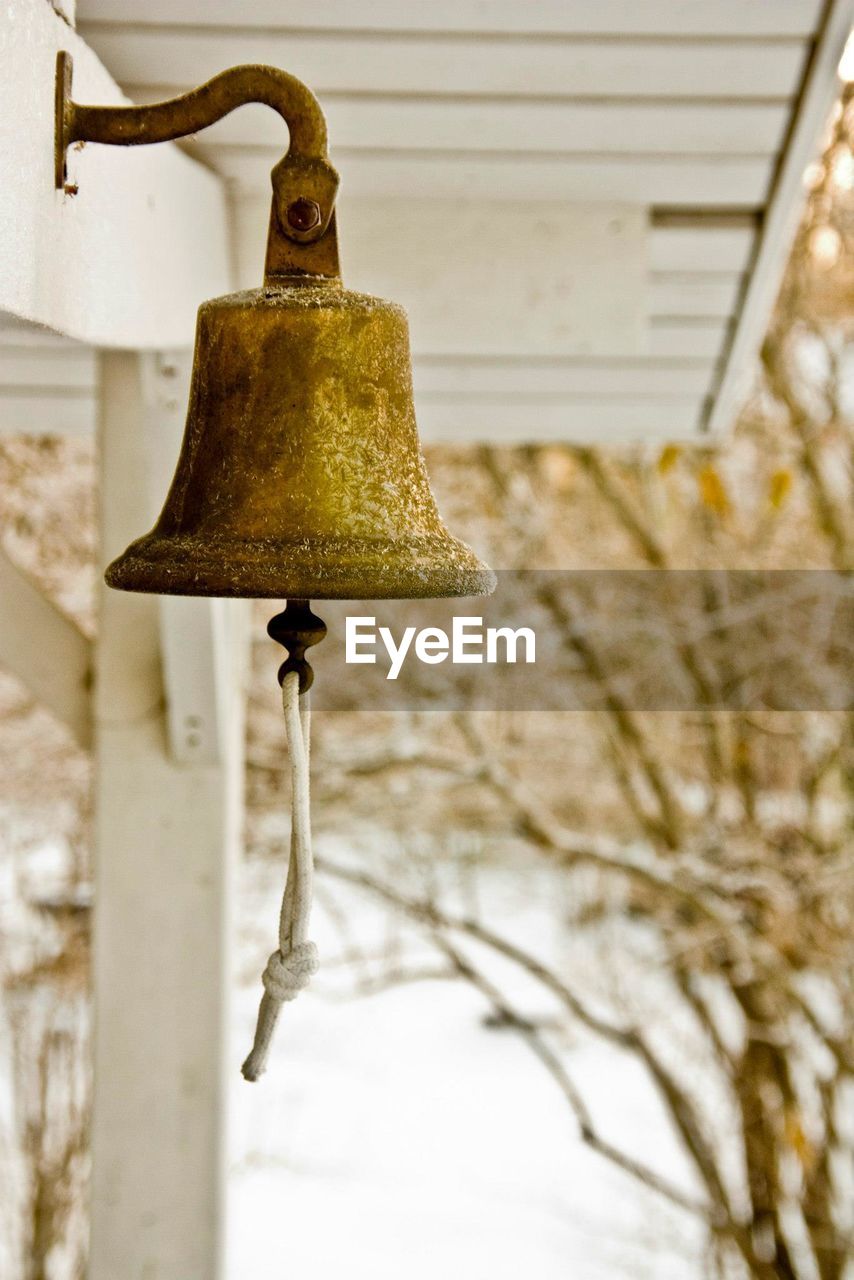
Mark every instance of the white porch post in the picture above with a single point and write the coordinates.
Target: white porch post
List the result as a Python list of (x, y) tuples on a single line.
[(166, 837)]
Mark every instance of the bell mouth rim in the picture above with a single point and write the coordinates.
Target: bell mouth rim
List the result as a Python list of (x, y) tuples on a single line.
[(429, 567)]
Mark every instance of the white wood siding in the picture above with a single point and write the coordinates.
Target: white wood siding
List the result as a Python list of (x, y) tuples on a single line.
[(523, 65), (741, 19), (123, 261)]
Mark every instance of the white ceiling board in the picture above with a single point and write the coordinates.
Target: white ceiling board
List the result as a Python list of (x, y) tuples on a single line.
[(707, 295), (432, 123), (774, 18), (123, 262), (686, 338), (524, 67), (716, 182)]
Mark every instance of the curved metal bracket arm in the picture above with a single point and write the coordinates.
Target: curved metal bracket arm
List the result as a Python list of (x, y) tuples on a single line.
[(304, 182)]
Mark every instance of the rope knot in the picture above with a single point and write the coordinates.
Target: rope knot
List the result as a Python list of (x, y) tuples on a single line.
[(286, 975)]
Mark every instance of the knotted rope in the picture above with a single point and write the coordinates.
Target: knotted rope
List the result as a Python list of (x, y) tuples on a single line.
[(291, 966)]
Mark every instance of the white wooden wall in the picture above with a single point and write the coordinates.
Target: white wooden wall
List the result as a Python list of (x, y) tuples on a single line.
[(167, 837)]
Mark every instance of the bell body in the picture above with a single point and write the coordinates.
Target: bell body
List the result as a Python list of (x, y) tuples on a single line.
[(300, 474)]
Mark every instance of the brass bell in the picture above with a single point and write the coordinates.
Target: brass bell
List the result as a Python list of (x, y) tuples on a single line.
[(300, 473)]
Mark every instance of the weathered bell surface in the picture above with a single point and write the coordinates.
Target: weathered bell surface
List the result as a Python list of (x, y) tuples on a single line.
[(300, 473)]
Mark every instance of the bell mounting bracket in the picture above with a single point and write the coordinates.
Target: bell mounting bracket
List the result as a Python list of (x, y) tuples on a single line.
[(302, 242)]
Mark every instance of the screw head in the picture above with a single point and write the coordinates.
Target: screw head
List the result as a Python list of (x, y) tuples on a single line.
[(304, 214)]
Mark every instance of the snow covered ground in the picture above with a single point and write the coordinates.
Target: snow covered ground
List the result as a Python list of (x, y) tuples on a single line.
[(397, 1135), (400, 1135)]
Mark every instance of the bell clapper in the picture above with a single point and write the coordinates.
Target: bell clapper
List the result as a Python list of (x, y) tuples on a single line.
[(292, 964)]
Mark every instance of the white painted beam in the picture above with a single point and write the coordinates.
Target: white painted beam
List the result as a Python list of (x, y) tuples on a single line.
[(126, 260), (552, 279), (196, 635), (820, 88), (166, 838), (45, 650), (568, 280), (698, 246)]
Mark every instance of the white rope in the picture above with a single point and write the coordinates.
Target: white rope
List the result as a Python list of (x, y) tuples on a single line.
[(291, 966)]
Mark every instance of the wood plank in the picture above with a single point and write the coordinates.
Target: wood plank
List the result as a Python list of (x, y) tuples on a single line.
[(166, 839), (772, 18), (470, 64), (126, 260), (820, 89), (469, 123), (595, 420), (713, 182), (46, 651), (56, 411), (569, 378)]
